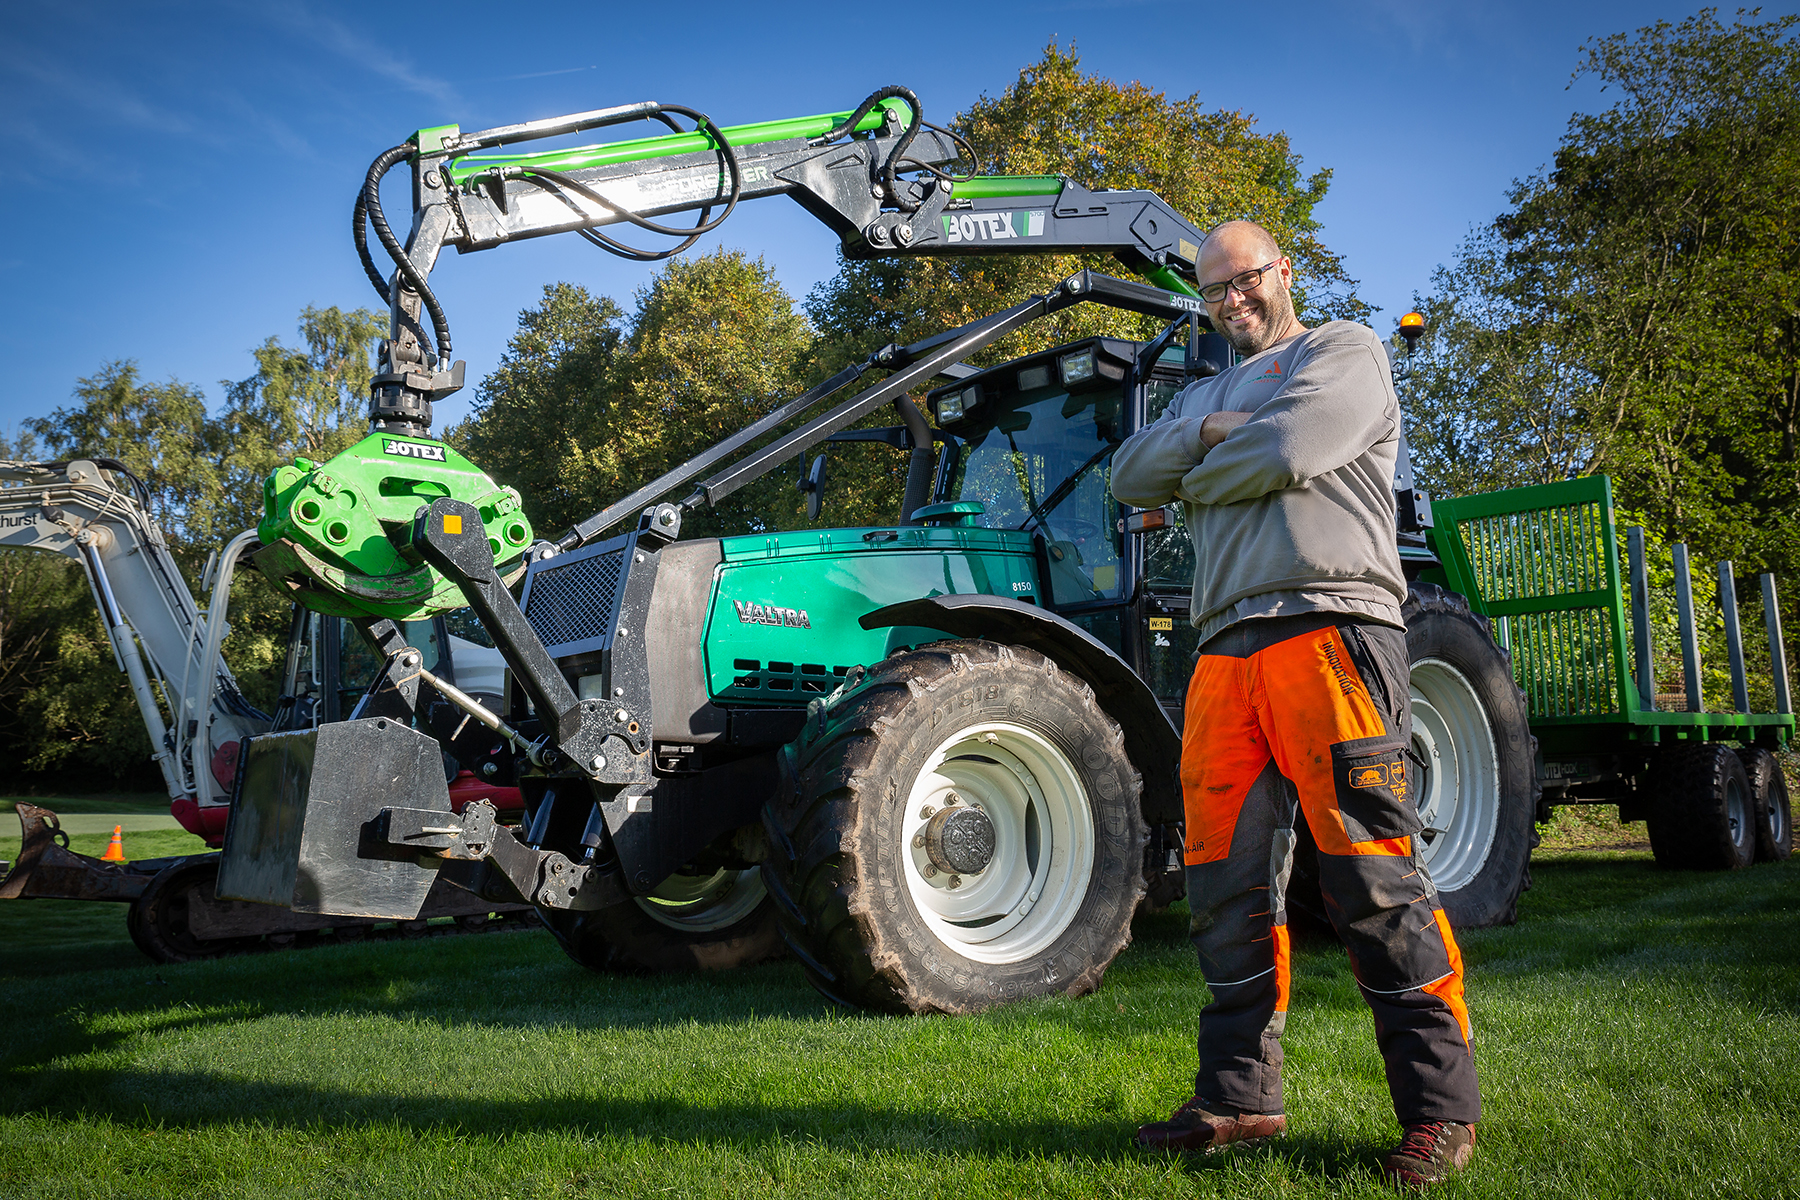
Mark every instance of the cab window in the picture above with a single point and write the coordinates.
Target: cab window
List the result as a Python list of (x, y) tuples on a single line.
[(1045, 465)]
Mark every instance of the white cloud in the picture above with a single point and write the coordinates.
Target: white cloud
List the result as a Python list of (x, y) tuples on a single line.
[(367, 53)]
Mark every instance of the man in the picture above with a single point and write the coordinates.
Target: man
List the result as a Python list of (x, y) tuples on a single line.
[(1284, 466)]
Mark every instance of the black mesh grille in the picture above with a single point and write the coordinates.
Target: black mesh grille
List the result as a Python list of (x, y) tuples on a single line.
[(574, 602)]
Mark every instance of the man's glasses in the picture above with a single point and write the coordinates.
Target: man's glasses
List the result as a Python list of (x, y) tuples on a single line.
[(1245, 283)]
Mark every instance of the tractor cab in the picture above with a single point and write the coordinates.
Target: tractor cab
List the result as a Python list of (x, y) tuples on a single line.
[(1031, 442)]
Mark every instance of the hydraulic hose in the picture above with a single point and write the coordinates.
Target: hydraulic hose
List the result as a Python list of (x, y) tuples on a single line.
[(948, 176), (889, 169), (114, 465), (368, 206), (554, 180)]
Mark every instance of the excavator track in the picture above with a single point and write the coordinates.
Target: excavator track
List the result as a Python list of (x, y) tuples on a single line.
[(175, 917)]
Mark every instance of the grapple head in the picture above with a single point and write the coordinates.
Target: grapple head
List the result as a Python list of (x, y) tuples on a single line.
[(337, 536)]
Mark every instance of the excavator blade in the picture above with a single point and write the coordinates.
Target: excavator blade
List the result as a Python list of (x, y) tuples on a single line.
[(48, 870), (296, 836)]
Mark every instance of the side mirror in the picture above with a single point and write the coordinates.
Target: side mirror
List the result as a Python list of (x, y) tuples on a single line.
[(814, 487), (1208, 355)]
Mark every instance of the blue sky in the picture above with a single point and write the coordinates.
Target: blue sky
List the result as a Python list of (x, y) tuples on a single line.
[(180, 175)]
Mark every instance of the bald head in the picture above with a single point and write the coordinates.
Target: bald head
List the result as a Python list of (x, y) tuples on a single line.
[(1240, 235), (1258, 316)]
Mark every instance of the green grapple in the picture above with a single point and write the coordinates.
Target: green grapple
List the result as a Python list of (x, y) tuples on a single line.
[(337, 535)]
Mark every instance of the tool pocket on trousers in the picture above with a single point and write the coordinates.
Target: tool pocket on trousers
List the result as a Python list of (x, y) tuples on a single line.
[(1374, 789)]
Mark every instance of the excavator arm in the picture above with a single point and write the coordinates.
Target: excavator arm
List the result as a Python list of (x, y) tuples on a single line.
[(93, 512)]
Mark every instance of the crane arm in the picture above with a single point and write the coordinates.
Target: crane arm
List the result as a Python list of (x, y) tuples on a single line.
[(474, 191)]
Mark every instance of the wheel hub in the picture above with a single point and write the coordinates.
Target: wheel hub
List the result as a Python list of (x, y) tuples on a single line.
[(999, 842), (959, 840)]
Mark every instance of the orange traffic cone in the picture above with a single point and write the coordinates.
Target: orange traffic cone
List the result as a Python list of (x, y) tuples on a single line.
[(115, 850)]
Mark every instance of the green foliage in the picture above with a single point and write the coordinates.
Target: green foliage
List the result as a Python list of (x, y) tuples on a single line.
[(62, 698), (588, 405), (303, 402), (1636, 311), (715, 344), (547, 400), (1211, 166), (159, 431), (66, 712)]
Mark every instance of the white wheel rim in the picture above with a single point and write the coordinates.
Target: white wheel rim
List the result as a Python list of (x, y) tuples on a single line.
[(1459, 796), (705, 903), (1033, 886)]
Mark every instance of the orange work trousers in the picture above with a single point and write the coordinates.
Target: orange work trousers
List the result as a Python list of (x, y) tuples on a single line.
[(1312, 714)]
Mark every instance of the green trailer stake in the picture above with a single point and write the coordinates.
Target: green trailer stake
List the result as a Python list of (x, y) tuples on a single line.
[(1543, 565)]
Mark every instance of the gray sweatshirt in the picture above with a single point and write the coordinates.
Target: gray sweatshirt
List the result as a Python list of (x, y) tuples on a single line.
[(1294, 511)]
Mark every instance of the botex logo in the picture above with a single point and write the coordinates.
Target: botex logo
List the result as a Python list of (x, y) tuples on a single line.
[(769, 614), (413, 450), (993, 226)]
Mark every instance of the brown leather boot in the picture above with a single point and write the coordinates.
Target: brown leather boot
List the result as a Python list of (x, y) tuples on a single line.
[(1429, 1154), (1193, 1127)]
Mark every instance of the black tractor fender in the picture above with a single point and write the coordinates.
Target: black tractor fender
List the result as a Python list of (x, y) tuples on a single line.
[(1150, 740)]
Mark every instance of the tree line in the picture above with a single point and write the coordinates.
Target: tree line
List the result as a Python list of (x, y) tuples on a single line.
[(1635, 309), (66, 713)]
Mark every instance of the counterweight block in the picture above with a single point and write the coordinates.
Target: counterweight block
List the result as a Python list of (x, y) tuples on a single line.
[(306, 810)]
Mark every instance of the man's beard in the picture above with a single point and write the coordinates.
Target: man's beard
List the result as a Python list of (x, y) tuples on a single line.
[(1278, 314)]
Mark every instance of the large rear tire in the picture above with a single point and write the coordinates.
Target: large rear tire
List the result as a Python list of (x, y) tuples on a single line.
[(711, 921), (1478, 791), (962, 830), (1768, 787)]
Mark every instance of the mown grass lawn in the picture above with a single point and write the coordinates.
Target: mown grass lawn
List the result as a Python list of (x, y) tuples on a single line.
[(1638, 1034)]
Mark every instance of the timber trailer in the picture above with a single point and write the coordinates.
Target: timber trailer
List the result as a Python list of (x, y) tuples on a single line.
[(96, 512), (939, 756)]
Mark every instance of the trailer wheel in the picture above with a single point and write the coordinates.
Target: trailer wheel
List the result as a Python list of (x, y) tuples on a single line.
[(1471, 730), (1768, 788), (710, 921), (158, 919), (1705, 813), (962, 830)]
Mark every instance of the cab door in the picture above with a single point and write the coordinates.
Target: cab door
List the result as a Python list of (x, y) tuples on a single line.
[(1161, 645)]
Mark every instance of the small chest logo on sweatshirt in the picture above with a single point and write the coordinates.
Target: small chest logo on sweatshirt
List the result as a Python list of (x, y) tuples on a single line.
[(1273, 371)]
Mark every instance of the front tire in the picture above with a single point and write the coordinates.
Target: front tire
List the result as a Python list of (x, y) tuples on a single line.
[(963, 830), (704, 921)]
